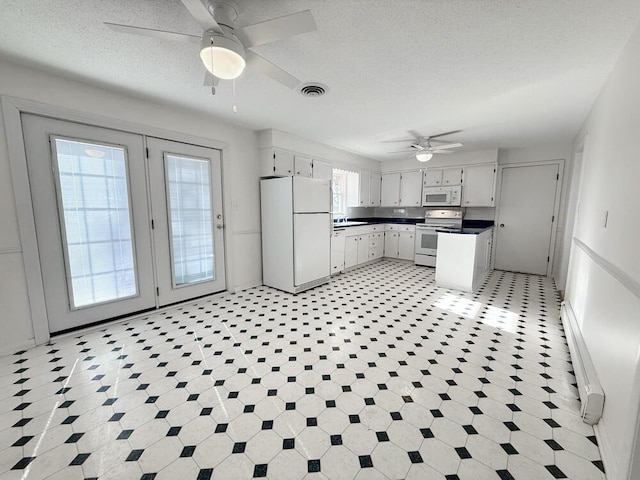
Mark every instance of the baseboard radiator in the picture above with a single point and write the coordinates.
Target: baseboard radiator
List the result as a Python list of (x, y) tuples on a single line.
[(591, 393)]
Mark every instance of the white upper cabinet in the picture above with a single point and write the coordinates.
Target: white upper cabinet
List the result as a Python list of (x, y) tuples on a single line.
[(479, 184), (374, 190), (433, 177), (365, 180), (322, 170), (436, 177), (411, 188), (369, 189), (302, 165), (452, 176), (390, 190), (275, 162)]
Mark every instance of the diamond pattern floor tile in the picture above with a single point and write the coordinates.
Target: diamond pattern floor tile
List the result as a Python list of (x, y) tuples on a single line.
[(378, 374)]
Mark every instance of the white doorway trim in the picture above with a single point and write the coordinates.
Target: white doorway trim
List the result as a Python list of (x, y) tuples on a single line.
[(556, 205), (12, 108)]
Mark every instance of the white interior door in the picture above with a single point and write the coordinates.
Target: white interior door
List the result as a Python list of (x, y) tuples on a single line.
[(186, 193), (89, 196), (524, 224)]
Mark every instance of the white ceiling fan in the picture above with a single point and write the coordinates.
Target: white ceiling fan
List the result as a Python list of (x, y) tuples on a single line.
[(225, 49), (423, 149)]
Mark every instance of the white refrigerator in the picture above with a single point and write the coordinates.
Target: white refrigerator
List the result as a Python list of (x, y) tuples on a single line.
[(296, 232)]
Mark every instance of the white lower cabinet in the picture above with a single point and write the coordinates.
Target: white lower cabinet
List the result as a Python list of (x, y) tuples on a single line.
[(376, 245), (350, 251), (406, 245), (399, 241), (363, 248), (337, 252), (391, 244)]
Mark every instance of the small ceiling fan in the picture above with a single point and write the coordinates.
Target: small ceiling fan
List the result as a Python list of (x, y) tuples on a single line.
[(225, 49), (423, 149)]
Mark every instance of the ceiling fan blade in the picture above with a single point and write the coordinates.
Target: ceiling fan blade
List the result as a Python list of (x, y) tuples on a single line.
[(448, 145), (438, 152), (443, 134), (202, 15), (276, 29), (264, 66), (416, 135), (402, 151), (150, 32), (210, 80)]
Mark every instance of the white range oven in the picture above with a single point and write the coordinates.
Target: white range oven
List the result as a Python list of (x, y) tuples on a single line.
[(426, 246)]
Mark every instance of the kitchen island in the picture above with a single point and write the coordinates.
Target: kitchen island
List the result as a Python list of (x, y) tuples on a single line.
[(464, 257)]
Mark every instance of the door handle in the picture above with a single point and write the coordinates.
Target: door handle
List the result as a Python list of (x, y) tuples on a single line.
[(219, 226), (502, 225)]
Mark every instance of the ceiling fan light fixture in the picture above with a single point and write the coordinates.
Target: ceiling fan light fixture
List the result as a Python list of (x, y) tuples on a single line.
[(222, 55), (424, 157)]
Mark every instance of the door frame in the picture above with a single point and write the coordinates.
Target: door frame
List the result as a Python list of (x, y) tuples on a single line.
[(12, 108), (556, 205)]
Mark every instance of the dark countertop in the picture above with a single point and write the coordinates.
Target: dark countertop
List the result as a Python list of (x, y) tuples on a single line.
[(410, 221), (464, 231), (469, 227), (376, 220)]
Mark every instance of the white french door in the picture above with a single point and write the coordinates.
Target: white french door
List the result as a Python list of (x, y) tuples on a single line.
[(102, 254), (186, 193)]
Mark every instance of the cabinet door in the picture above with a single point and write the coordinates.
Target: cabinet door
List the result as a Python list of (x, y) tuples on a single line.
[(391, 244), (479, 186), (406, 246), (351, 251), (363, 248), (452, 176), (380, 245), (411, 189), (282, 162), (337, 253), (302, 166), (374, 190), (390, 191), (433, 177), (322, 170), (365, 178)]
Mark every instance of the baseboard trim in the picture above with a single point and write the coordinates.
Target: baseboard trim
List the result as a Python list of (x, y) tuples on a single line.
[(606, 452), (10, 350)]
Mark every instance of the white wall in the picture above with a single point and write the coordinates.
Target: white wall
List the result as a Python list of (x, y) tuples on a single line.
[(603, 282), (339, 158), (240, 165)]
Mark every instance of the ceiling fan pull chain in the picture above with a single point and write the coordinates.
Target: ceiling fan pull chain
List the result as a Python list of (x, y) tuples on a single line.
[(233, 84)]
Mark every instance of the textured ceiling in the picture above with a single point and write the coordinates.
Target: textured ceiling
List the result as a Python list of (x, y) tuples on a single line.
[(508, 73)]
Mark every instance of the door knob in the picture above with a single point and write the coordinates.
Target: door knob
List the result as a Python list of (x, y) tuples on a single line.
[(502, 225), (219, 226)]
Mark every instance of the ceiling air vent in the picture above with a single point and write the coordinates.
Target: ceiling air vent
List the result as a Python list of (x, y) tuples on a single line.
[(313, 89)]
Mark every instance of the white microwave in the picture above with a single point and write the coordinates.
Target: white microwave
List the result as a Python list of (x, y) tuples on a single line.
[(441, 196)]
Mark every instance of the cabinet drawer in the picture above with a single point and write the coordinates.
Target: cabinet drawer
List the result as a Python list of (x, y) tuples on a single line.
[(376, 228), (390, 227), (407, 228), (373, 242)]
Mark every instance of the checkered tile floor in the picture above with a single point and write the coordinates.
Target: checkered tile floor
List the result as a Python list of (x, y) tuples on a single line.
[(377, 375)]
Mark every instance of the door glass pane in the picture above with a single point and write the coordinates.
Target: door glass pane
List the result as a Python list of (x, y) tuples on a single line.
[(190, 219), (96, 221)]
